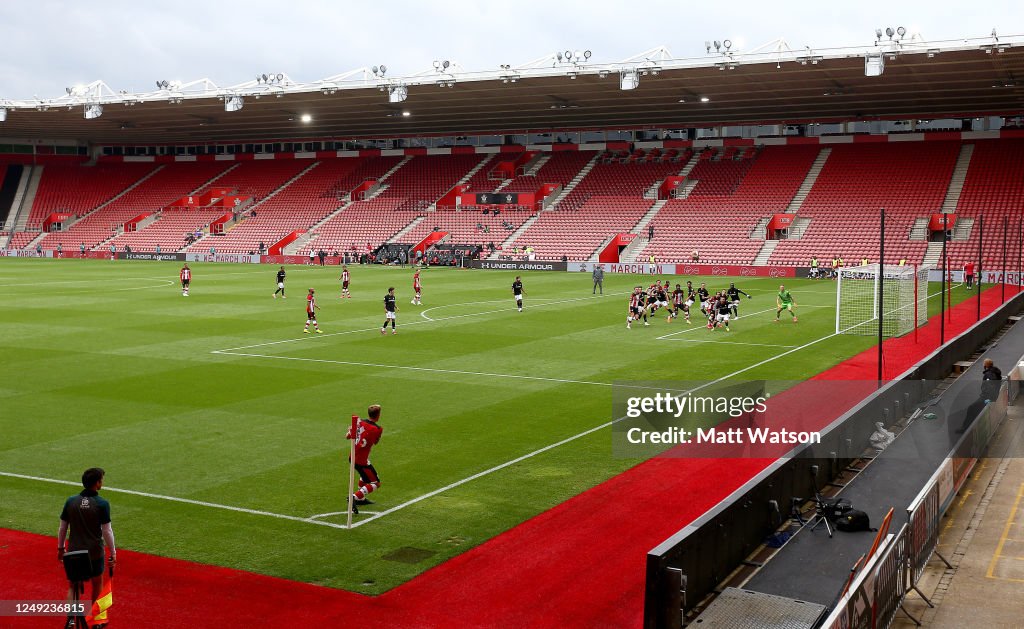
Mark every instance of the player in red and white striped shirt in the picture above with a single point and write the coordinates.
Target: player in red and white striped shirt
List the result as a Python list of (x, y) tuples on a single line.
[(311, 308), (416, 287), (344, 282), (186, 278)]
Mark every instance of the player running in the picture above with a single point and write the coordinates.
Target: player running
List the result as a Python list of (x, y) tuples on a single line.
[(368, 434), (311, 308), (280, 284), (722, 311), (679, 302), (517, 291), (344, 283), (785, 301), (702, 296), (635, 306), (186, 279), (390, 311), (416, 287), (733, 294)]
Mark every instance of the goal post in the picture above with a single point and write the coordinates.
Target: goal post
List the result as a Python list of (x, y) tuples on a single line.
[(905, 298)]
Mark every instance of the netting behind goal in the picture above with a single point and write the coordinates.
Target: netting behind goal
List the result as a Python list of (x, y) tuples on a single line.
[(905, 297)]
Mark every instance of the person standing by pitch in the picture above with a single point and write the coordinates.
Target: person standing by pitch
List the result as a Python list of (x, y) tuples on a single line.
[(85, 530), (598, 276)]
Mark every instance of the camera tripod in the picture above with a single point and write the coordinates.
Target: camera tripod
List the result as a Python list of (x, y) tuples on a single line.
[(820, 514)]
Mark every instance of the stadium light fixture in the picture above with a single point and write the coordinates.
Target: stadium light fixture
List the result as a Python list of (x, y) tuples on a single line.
[(233, 103), (874, 64), (397, 93), (705, 99), (629, 80), (406, 113), (306, 118), (93, 111)]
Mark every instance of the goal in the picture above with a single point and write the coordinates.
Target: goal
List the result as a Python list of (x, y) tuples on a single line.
[(905, 298)]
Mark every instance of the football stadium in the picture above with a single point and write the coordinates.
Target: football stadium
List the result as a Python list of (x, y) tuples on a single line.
[(721, 338)]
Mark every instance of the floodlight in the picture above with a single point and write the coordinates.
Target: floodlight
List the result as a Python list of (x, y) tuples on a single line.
[(901, 31), (718, 45), (629, 80), (93, 111), (397, 94), (233, 103), (375, 69), (874, 64), (727, 43), (437, 64), (568, 55), (445, 64), (280, 76), (306, 118), (264, 77), (704, 99), (383, 68), (406, 114), (587, 55), (878, 33), (3, 114), (890, 32), (558, 56)]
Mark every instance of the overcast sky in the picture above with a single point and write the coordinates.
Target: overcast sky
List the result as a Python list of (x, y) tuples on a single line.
[(49, 45)]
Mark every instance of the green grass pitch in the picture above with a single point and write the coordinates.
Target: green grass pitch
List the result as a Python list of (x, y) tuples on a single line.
[(106, 364)]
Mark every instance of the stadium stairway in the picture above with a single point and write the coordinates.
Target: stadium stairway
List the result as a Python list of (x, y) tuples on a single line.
[(812, 176), (633, 249), (956, 182), (18, 215), (580, 176), (505, 244)]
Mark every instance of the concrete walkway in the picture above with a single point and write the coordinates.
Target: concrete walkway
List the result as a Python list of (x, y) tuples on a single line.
[(983, 537)]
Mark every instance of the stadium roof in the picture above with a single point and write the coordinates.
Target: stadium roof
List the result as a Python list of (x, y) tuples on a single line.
[(772, 85)]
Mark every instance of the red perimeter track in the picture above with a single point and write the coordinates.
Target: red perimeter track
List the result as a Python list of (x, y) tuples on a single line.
[(580, 564)]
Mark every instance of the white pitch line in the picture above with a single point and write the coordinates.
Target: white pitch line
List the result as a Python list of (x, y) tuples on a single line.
[(198, 503), (727, 342), (410, 368), (374, 329), (701, 326), (485, 473)]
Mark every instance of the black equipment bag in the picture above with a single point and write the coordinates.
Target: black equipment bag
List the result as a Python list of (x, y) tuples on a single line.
[(854, 521)]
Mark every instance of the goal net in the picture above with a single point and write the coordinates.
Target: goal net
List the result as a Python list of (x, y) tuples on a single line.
[(905, 299)]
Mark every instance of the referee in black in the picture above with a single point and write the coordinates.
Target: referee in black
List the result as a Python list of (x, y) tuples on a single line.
[(85, 528)]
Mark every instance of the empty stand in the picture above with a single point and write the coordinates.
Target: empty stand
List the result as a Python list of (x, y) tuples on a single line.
[(467, 227), (994, 188), (730, 196), (81, 189), (908, 179), (300, 205), (410, 192), (169, 183)]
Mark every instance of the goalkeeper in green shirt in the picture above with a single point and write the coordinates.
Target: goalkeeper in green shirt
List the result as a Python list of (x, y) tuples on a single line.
[(784, 301)]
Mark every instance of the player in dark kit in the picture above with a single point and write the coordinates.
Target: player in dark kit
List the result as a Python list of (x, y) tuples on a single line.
[(311, 308), (733, 295), (280, 284), (702, 295), (186, 279), (367, 435), (724, 309), (517, 290), (390, 311)]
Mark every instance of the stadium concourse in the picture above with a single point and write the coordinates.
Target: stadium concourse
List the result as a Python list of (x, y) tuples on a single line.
[(517, 579)]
